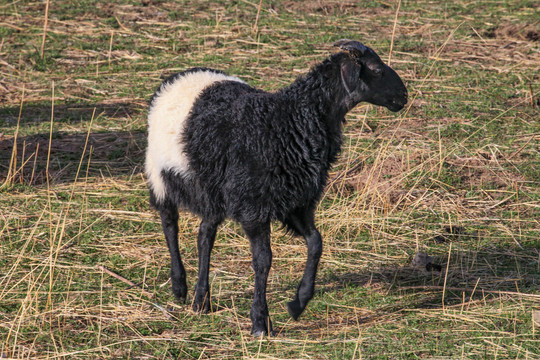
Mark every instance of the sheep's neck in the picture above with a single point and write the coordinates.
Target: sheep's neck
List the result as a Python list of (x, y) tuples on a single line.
[(322, 90), (320, 95)]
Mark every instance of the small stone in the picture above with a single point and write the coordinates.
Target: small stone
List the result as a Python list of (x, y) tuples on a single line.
[(433, 267), (421, 259)]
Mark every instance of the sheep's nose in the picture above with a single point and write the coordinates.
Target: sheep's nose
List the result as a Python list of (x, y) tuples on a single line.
[(403, 98), (401, 101)]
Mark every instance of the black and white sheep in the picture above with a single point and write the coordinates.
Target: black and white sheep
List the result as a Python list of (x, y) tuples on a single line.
[(222, 149)]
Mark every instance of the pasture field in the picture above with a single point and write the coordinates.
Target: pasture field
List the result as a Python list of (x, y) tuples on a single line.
[(84, 268)]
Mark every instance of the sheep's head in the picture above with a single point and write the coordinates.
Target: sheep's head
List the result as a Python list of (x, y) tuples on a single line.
[(367, 78)]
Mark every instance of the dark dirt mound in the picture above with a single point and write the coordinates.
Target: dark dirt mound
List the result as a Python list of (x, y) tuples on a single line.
[(525, 32)]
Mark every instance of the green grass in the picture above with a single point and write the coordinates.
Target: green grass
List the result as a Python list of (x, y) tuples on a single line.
[(455, 175)]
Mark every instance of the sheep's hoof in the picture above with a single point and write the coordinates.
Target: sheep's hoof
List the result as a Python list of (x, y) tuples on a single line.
[(180, 293), (262, 326), (262, 332), (201, 303), (295, 309), (202, 308)]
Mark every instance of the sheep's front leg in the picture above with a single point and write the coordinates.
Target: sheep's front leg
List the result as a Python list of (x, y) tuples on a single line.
[(169, 222), (259, 237), (304, 225), (205, 243)]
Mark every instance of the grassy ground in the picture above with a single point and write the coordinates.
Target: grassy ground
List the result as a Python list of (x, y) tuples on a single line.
[(456, 176)]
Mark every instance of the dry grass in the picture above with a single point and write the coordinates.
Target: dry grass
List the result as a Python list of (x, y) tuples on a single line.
[(83, 265)]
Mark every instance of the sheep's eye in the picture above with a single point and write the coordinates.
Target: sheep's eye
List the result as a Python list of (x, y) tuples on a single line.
[(377, 71)]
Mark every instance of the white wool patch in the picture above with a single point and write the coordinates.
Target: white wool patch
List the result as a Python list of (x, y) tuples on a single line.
[(166, 121)]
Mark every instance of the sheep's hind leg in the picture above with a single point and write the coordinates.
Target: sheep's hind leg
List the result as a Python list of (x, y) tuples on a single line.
[(169, 222), (259, 237), (205, 243), (304, 225)]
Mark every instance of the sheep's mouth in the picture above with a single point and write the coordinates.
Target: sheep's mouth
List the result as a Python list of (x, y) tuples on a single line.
[(395, 107)]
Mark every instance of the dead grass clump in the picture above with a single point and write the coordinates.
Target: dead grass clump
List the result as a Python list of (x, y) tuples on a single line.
[(8, 92), (378, 179), (83, 57)]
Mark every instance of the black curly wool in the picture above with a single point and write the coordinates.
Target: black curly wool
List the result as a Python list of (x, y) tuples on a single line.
[(256, 157)]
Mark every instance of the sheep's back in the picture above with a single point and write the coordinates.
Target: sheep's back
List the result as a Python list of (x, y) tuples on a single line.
[(254, 155)]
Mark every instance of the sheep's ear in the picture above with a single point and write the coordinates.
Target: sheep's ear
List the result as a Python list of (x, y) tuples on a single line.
[(350, 73), (355, 48)]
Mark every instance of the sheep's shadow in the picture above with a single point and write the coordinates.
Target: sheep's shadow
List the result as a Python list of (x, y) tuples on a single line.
[(67, 113), (103, 154), (471, 274), (385, 293)]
